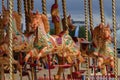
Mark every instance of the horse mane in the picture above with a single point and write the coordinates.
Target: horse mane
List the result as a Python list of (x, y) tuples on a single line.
[(45, 22), (98, 34), (69, 22), (1, 23), (17, 18), (43, 17)]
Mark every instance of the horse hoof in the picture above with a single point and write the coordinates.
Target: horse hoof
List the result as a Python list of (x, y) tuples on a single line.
[(57, 77), (111, 69), (15, 71), (98, 70)]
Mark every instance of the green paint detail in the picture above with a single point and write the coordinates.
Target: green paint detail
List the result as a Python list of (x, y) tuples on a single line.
[(14, 26), (38, 47)]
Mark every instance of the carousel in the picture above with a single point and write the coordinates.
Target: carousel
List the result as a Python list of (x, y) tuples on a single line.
[(35, 54)]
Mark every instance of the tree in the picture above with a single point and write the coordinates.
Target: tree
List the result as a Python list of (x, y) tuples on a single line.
[(82, 33)]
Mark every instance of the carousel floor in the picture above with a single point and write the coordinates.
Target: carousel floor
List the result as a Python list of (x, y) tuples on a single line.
[(40, 75)]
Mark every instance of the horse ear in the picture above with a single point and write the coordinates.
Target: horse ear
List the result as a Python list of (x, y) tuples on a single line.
[(37, 12), (108, 26), (69, 16), (4, 8), (101, 25), (31, 13)]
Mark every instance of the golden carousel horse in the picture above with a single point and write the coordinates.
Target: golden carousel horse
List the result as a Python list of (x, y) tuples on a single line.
[(57, 21), (56, 18), (100, 46), (69, 22), (4, 57), (45, 44), (103, 46), (21, 42)]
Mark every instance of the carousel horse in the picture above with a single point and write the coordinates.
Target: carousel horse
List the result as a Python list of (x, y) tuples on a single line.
[(4, 57), (57, 21), (69, 22), (99, 48), (102, 45), (56, 17), (44, 44), (21, 42)]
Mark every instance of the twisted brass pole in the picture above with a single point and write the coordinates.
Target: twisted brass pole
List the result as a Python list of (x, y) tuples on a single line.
[(10, 38), (65, 14), (90, 14), (32, 4), (86, 36), (2, 5), (44, 7), (86, 18), (102, 11), (115, 42), (19, 6), (29, 6), (26, 13), (25, 5)]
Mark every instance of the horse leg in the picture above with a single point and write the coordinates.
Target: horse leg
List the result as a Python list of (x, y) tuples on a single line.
[(76, 67), (28, 55), (102, 66), (80, 58), (41, 53), (100, 62), (111, 63), (67, 57), (60, 69), (103, 70)]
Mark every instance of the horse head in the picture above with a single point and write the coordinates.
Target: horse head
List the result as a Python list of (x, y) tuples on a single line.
[(15, 15), (38, 20), (101, 34), (69, 22)]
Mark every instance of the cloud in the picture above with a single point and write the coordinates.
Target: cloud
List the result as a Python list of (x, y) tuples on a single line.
[(76, 8)]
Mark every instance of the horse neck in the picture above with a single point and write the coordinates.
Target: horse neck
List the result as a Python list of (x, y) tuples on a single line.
[(14, 27), (40, 32)]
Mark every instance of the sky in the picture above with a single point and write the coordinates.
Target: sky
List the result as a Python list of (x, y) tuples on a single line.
[(76, 9)]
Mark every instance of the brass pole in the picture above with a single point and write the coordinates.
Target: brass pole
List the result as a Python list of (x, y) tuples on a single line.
[(44, 7), (65, 14), (115, 41), (86, 31), (90, 14), (10, 38), (19, 6), (102, 11)]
